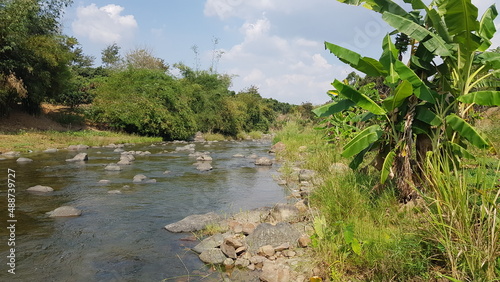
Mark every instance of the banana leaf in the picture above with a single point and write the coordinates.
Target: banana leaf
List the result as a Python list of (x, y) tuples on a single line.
[(483, 98), (333, 108), (362, 141), (360, 99), (386, 168), (487, 27), (403, 91), (467, 131), (366, 65), (431, 41)]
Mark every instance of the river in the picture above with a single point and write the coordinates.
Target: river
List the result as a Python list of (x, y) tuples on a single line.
[(121, 237)]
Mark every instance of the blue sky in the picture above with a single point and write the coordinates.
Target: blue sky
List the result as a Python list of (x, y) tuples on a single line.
[(276, 45)]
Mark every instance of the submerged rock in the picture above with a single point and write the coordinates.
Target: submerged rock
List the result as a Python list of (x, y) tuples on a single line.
[(263, 161), (203, 166), (213, 256), (24, 160), (113, 167), (209, 243), (78, 147), (65, 211), (40, 188), (81, 157), (193, 223)]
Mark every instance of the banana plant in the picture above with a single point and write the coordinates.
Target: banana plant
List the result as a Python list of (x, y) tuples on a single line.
[(430, 95)]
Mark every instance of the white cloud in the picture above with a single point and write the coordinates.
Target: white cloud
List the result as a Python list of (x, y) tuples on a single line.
[(287, 69), (236, 8), (104, 25)]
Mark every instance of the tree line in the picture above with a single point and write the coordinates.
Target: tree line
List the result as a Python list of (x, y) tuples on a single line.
[(137, 93)]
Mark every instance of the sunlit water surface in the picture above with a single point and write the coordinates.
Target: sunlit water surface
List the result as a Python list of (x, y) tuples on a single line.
[(120, 237)]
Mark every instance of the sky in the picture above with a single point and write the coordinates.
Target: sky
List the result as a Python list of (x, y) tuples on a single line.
[(276, 45)]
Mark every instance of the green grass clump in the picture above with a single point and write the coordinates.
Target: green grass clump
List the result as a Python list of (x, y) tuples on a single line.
[(214, 137)]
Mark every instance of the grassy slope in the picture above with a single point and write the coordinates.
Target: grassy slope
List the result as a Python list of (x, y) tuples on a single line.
[(56, 127)]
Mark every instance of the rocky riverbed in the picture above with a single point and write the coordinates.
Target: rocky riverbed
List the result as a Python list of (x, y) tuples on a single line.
[(264, 244)]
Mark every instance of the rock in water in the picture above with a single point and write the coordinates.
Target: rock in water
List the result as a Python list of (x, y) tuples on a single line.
[(213, 256), (65, 211), (113, 167), (193, 223), (204, 166), (79, 158), (24, 160), (209, 243), (263, 161), (40, 188)]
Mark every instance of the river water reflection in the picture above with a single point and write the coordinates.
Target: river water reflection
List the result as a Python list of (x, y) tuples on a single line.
[(120, 237)]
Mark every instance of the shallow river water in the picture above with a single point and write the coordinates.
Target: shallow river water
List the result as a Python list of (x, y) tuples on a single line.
[(121, 237)]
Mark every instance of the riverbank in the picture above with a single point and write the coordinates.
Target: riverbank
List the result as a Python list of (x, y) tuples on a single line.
[(56, 127), (364, 234)]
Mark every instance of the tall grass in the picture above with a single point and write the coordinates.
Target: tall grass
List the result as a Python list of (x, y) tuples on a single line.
[(463, 219)]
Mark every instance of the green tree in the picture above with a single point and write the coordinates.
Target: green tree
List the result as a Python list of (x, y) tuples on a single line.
[(34, 55), (110, 56), (142, 58)]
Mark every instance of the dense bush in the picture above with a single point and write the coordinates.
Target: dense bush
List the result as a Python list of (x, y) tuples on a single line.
[(151, 102), (146, 102)]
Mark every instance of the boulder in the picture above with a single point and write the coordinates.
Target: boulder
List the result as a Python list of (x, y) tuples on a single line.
[(24, 160), (127, 156), (306, 175), (114, 192), (40, 188), (198, 137), (242, 262), (209, 243), (252, 156), (203, 166), (104, 181), (78, 147), (304, 241), (266, 251), (285, 212), (193, 223), (65, 211), (278, 147), (264, 161), (11, 154), (139, 178), (204, 158), (213, 256), (257, 215), (113, 167), (81, 157), (51, 150), (124, 161), (189, 148), (238, 156), (228, 250), (274, 235), (275, 272)]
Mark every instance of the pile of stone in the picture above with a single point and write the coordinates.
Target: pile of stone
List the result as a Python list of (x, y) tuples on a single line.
[(270, 243)]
